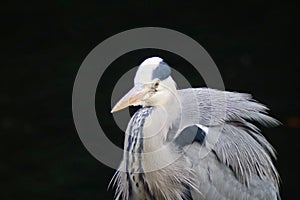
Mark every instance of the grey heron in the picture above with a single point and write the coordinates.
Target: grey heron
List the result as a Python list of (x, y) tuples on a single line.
[(215, 152)]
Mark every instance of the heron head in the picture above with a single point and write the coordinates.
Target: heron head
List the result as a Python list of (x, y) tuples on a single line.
[(153, 85)]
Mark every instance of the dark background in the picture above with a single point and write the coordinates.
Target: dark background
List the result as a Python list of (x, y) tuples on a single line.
[(255, 44)]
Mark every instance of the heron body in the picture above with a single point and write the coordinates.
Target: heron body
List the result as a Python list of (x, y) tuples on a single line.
[(193, 143)]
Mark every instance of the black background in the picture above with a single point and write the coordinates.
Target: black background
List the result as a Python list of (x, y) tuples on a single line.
[(254, 43)]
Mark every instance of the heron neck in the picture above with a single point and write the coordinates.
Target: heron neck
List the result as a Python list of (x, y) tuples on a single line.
[(158, 124), (147, 156)]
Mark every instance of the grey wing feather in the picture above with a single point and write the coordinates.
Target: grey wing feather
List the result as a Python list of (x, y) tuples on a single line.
[(216, 181), (247, 153), (213, 107), (238, 165)]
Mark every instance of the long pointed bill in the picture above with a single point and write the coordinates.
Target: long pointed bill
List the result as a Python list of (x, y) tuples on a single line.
[(131, 98)]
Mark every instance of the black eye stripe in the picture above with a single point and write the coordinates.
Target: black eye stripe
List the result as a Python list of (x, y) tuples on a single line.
[(162, 71)]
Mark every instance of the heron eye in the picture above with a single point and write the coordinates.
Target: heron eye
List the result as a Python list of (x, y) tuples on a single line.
[(156, 84)]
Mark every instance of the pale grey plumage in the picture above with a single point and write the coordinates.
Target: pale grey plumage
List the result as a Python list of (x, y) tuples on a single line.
[(240, 144), (232, 160)]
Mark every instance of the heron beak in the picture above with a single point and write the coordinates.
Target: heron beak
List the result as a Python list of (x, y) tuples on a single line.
[(131, 98)]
